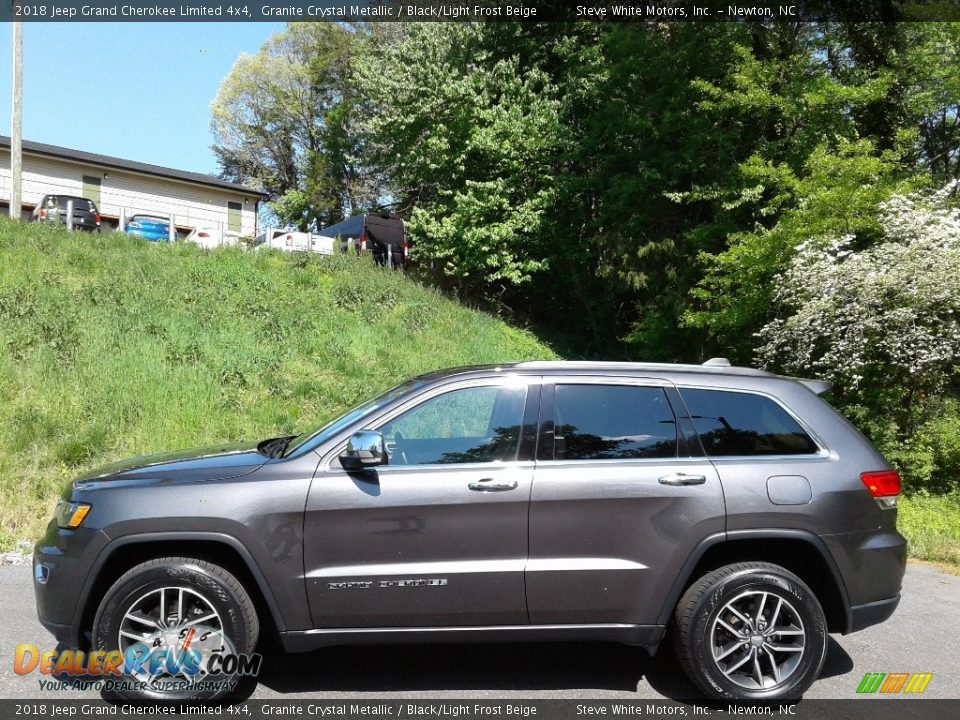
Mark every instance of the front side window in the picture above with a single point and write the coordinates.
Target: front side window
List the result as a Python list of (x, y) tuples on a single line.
[(477, 424), (735, 423), (613, 422)]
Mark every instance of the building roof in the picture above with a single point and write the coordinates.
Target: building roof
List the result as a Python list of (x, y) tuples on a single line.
[(55, 151)]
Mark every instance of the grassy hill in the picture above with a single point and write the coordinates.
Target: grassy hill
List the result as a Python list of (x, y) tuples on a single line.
[(110, 347)]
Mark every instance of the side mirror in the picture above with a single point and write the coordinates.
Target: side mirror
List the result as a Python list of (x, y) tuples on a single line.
[(365, 449)]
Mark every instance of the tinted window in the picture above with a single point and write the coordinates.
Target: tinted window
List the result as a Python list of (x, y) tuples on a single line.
[(79, 203), (609, 422), (733, 423), (479, 424)]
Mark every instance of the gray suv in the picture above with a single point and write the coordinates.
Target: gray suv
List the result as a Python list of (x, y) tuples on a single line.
[(727, 507)]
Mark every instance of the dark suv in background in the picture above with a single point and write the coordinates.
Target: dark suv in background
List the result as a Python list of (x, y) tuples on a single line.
[(730, 508), (53, 209)]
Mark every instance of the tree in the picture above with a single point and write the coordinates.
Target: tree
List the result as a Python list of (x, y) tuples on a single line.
[(467, 140), (931, 64), (838, 190), (640, 143), (283, 120), (825, 113), (882, 322)]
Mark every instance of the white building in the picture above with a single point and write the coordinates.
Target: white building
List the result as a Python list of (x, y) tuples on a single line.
[(124, 187)]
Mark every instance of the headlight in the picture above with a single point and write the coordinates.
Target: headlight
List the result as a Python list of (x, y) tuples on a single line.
[(70, 514)]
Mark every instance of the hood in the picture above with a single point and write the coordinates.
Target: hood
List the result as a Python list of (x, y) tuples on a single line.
[(217, 462)]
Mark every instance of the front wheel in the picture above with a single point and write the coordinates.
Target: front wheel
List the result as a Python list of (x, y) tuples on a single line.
[(751, 631), (175, 620)]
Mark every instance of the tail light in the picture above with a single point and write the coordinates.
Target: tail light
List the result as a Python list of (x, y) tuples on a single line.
[(203, 235), (363, 243), (883, 485), (406, 249), (43, 214), (97, 218)]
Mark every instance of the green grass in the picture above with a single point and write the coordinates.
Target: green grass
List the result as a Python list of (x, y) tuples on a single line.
[(931, 524), (111, 347)]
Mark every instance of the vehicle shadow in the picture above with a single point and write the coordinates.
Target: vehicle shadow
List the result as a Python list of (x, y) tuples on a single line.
[(607, 668), (838, 662)]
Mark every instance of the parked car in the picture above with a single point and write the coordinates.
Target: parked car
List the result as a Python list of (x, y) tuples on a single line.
[(210, 238), (53, 209), (530, 501), (292, 241), (382, 235), (149, 227)]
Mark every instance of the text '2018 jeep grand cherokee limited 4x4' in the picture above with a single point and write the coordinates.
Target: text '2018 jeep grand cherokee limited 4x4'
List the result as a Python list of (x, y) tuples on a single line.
[(532, 501)]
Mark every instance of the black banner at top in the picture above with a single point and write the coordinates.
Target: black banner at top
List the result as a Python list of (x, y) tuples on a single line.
[(421, 708), (479, 10)]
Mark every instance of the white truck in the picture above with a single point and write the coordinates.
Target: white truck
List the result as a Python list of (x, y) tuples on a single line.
[(292, 241)]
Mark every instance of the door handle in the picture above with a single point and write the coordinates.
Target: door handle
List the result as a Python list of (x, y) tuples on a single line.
[(682, 479), (488, 485)]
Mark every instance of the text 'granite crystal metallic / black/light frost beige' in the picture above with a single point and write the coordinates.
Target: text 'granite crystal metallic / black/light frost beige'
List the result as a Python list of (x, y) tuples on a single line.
[(728, 508)]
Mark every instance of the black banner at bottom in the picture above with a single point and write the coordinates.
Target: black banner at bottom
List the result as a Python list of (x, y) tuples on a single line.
[(863, 708)]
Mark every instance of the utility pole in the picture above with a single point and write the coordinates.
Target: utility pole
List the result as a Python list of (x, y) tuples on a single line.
[(16, 131)]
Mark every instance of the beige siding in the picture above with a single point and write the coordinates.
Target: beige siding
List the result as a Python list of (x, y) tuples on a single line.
[(192, 205)]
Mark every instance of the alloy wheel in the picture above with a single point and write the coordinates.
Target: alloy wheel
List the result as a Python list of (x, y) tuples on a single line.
[(174, 620), (757, 640)]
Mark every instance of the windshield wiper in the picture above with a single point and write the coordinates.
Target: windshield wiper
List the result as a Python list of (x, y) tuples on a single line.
[(275, 447)]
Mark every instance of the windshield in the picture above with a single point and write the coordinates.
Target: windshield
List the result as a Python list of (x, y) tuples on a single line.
[(79, 203), (311, 439)]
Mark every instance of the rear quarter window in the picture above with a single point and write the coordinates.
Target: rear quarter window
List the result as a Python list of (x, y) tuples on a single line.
[(738, 423)]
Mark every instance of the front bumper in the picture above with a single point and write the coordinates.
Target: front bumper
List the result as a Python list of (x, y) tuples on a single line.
[(62, 562)]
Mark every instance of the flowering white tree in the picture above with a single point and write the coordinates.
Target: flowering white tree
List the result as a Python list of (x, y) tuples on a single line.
[(886, 314)]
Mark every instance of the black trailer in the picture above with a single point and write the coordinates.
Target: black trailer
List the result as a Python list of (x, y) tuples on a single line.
[(382, 235)]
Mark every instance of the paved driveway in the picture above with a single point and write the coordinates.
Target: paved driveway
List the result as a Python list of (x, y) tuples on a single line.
[(923, 636)]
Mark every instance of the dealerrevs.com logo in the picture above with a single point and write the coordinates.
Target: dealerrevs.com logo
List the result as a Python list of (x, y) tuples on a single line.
[(894, 683), (139, 667)]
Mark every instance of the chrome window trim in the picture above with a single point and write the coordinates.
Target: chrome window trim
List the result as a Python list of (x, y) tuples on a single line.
[(628, 462)]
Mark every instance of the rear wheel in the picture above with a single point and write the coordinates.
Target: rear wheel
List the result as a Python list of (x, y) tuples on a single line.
[(174, 614), (751, 631)]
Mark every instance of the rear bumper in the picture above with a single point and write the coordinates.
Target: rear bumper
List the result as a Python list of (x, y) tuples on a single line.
[(872, 565), (872, 613)]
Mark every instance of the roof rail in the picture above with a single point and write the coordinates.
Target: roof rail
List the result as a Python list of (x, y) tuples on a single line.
[(587, 365)]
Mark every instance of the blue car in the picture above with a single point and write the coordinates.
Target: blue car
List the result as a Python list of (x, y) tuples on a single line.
[(149, 227)]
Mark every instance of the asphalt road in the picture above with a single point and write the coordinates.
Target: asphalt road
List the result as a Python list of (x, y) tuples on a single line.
[(923, 636)]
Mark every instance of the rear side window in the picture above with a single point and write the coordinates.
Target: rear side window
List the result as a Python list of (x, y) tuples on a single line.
[(612, 422), (734, 423)]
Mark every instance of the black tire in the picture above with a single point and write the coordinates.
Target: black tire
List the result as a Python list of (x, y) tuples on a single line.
[(200, 580), (705, 620)]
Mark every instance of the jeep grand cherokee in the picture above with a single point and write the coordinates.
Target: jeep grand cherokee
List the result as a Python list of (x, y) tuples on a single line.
[(730, 508)]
